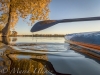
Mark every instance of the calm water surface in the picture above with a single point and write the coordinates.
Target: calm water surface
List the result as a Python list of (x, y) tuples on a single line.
[(38, 39), (44, 56)]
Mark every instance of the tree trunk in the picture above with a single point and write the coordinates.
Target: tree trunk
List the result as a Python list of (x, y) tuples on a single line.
[(6, 40), (6, 29)]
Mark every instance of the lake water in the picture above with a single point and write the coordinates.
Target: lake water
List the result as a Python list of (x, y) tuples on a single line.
[(44, 56), (38, 39)]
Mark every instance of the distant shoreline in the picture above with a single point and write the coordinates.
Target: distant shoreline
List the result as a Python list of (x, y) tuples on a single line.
[(38, 35)]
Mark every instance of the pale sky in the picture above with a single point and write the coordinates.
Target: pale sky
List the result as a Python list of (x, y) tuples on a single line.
[(65, 9)]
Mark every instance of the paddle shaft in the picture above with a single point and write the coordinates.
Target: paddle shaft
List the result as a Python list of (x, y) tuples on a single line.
[(80, 19)]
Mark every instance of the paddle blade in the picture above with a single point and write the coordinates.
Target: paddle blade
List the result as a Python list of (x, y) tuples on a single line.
[(43, 25)]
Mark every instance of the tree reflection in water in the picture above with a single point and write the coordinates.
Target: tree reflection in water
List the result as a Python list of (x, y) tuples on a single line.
[(12, 64), (48, 66), (14, 39), (21, 66)]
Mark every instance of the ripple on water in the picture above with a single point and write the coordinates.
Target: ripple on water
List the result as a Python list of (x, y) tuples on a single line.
[(40, 48)]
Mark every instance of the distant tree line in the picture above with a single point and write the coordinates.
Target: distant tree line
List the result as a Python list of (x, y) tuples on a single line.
[(43, 35)]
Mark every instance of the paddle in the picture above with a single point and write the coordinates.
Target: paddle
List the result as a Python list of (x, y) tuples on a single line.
[(48, 23)]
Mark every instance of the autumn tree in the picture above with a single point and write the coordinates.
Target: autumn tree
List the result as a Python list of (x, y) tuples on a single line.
[(12, 10), (1, 27), (14, 33)]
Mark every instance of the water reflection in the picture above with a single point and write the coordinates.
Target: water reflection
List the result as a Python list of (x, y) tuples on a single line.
[(31, 59), (8, 40), (25, 66), (39, 39), (48, 66), (14, 62), (17, 63), (14, 39)]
